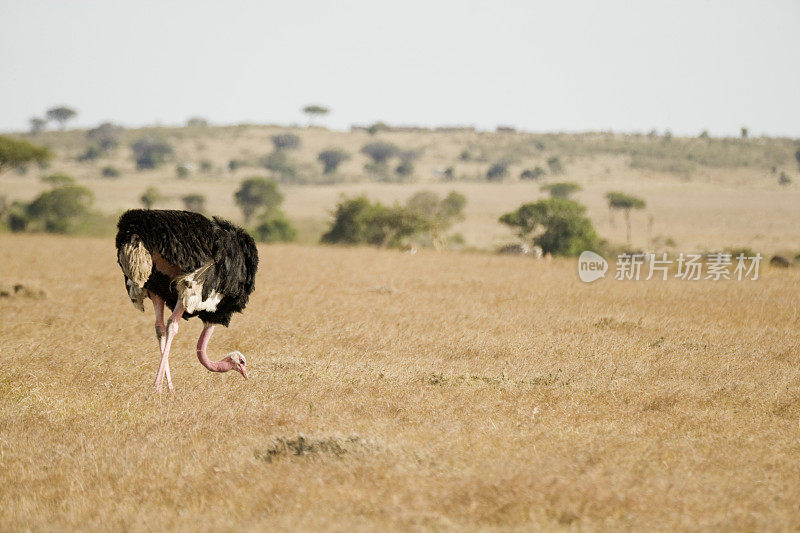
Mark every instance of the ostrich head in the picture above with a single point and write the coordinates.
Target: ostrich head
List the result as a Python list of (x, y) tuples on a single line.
[(237, 362)]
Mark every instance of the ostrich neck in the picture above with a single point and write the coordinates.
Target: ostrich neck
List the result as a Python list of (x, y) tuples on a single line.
[(214, 366)]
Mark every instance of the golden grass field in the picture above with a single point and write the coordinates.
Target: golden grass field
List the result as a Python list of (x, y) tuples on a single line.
[(436, 391)]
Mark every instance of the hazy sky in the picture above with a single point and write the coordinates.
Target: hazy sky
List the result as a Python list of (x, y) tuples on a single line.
[(540, 66)]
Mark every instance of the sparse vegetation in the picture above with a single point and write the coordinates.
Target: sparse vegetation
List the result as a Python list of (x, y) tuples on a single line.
[(331, 159), (563, 189), (150, 152), (194, 202), (498, 171), (625, 203), (16, 153), (150, 197), (257, 194), (558, 225), (61, 114), (360, 221)]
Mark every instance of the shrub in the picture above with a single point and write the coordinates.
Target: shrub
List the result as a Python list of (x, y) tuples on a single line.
[(285, 141), (377, 127), (255, 194), (206, 166), (555, 166), (182, 171), (197, 122), (331, 159), (380, 151), (561, 189), (465, 155), (61, 114), (106, 135), (150, 197), (91, 153), (14, 153), (784, 179), (438, 215), (59, 210), (194, 202), (235, 164), (110, 172), (279, 163), (359, 221), (625, 203), (559, 225), (498, 171), (532, 174), (275, 227), (150, 152), (58, 179)]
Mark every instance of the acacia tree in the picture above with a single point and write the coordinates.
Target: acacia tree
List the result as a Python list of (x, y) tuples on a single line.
[(315, 111), (331, 159), (37, 125), (150, 197), (625, 203), (439, 214), (61, 114), (14, 153), (194, 202), (558, 225), (255, 194), (563, 189)]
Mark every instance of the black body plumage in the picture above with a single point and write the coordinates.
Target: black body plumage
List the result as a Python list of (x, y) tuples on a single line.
[(190, 241)]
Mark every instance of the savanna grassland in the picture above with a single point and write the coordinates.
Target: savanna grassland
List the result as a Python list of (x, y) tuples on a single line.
[(701, 193), (437, 391)]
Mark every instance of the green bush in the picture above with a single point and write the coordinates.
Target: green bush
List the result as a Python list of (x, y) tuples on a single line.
[(91, 153), (561, 189), (110, 172), (275, 227), (286, 141), (106, 135), (14, 153), (331, 159), (206, 166), (150, 152), (532, 174), (558, 225), (150, 196), (279, 162), (554, 163), (194, 202), (359, 221), (58, 179), (256, 194), (182, 171), (380, 151), (61, 209), (235, 164), (498, 171)]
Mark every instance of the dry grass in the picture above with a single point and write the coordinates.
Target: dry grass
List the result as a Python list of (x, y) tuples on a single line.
[(435, 391)]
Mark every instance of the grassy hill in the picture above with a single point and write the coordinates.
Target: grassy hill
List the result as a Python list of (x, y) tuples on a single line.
[(702, 193)]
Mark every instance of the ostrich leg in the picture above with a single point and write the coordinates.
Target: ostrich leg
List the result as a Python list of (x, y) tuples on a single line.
[(158, 307), (172, 330)]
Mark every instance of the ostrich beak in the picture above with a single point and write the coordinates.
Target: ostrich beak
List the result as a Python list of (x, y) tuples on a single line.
[(244, 372)]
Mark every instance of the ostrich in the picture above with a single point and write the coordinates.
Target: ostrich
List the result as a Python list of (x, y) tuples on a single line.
[(196, 266)]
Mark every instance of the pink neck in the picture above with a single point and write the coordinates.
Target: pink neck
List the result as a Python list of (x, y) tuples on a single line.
[(222, 365)]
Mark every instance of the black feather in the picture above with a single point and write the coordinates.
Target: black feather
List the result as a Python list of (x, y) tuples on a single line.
[(189, 241)]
